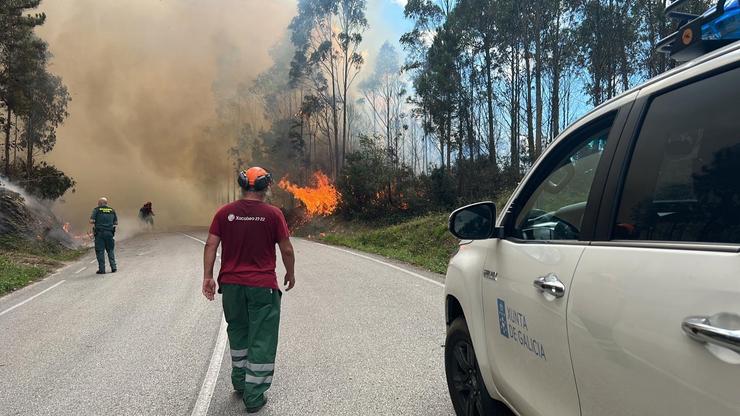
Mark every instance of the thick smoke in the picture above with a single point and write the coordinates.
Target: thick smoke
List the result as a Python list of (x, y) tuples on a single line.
[(141, 74)]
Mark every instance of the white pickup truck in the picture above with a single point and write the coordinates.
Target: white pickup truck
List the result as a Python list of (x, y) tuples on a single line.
[(609, 284)]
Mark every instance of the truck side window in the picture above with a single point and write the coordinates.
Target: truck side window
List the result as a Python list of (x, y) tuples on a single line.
[(683, 182), (554, 211)]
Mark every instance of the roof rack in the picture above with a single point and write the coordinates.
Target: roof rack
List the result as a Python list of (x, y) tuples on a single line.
[(699, 34)]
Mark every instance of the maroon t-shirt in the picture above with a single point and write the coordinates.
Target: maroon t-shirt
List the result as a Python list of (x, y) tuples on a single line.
[(249, 231)]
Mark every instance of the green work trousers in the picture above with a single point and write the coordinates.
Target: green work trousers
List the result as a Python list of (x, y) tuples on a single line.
[(104, 243), (253, 317)]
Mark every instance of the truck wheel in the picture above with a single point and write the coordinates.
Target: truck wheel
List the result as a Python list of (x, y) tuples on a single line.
[(467, 391)]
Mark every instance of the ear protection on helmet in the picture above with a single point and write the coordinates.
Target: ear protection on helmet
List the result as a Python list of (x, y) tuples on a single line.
[(254, 179)]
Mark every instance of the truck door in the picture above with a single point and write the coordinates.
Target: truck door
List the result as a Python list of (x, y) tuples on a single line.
[(528, 273), (654, 312)]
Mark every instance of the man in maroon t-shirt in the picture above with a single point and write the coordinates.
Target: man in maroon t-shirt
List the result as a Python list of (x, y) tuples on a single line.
[(248, 230)]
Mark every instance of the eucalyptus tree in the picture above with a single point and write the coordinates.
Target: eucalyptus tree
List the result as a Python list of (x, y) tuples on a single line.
[(45, 110), (326, 35), (384, 91), (17, 42)]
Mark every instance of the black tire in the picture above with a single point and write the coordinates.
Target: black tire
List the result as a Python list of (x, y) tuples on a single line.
[(467, 390)]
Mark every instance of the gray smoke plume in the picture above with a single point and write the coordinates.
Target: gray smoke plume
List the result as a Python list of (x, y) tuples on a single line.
[(141, 75)]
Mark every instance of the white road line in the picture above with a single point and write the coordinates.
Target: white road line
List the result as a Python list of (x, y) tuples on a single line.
[(93, 261), (81, 270), (196, 239), (392, 266), (209, 383), (31, 298)]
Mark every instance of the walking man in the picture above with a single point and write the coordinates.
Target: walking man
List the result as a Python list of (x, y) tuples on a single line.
[(104, 221), (248, 230)]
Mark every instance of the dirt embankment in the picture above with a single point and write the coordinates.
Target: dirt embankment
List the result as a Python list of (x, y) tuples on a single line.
[(24, 217), (32, 241)]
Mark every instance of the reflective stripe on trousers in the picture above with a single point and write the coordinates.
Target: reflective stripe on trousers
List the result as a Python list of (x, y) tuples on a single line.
[(258, 380), (238, 357), (253, 317), (254, 367)]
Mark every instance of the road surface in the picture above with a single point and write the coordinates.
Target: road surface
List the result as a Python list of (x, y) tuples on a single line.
[(357, 337)]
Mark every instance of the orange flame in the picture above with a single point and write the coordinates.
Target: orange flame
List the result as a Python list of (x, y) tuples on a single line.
[(321, 199), (80, 238)]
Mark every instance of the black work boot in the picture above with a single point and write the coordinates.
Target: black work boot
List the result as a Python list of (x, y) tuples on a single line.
[(257, 408), (100, 272)]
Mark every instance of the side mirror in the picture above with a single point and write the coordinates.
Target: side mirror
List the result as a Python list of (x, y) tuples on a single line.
[(474, 222)]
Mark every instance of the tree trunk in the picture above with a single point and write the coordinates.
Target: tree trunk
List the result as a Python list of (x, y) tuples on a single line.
[(530, 127), (538, 68), (425, 142), (556, 69), (7, 142), (448, 139), (335, 120), (388, 139), (489, 102), (29, 150), (15, 140), (442, 146), (515, 90), (344, 107), (555, 101)]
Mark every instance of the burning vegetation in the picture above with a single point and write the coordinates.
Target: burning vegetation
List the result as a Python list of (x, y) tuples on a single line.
[(320, 199), (84, 239)]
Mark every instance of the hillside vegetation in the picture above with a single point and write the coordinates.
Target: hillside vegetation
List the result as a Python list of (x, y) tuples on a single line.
[(23, 261), (423, 241)]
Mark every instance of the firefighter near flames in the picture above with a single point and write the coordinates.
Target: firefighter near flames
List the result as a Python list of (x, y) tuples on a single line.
[(248, 230), (104, 221), (146, 215)]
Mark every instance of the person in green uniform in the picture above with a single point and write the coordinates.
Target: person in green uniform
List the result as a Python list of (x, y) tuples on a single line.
[(248, 231), (104, 221)]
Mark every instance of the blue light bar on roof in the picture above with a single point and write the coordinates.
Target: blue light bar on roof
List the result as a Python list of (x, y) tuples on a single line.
[(724, 27), (700, 34)]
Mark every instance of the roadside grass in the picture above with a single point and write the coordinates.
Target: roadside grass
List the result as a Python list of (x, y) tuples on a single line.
[(24, 261), (422, 241), (15, 275)]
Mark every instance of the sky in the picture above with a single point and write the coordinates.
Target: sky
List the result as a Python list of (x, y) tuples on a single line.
[(387, 23)]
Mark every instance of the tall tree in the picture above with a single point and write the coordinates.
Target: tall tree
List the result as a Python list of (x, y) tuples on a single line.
[(326, 35), (46, 110), (384, 92), (352, 23), (477, 21), (17, 42)]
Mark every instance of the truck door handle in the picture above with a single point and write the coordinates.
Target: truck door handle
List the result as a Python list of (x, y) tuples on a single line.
[(550, 284), (709, 329)]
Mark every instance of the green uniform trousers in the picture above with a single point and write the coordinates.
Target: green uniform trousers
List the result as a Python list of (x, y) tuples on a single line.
[(253, 317), (104, 242)]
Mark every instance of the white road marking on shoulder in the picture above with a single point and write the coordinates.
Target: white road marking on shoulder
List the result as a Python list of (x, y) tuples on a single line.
[(392, 266), (93, 261), (209, 383), (81, 270), (200, 241), (194, 238), (31, 298)]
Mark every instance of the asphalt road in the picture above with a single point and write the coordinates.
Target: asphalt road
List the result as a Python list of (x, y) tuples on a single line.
[(357, 337)]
